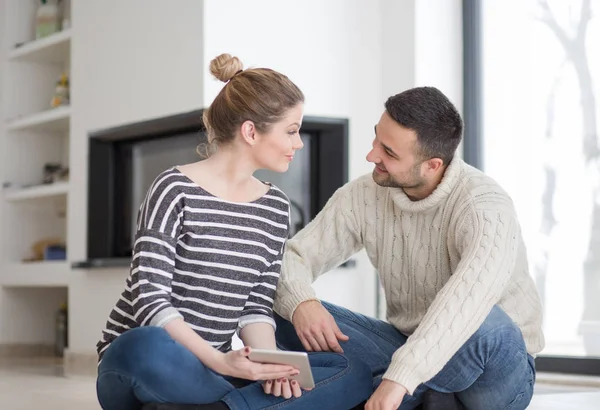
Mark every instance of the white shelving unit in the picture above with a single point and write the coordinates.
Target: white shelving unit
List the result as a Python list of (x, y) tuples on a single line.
[(34, 136), (53, 49), (35, 274), (55, 119), (38, 192), (40, 133)]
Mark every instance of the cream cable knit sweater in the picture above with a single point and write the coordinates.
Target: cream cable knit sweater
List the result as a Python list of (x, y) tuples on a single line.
[(443, 261)]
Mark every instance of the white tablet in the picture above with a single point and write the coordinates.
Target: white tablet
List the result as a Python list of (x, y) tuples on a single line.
[(297, 359)]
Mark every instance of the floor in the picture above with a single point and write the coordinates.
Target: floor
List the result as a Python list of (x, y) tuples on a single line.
[(39, 384), (32, 384)]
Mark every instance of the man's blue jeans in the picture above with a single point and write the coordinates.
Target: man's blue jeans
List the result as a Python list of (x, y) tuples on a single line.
[(492, 370), (146, 365)]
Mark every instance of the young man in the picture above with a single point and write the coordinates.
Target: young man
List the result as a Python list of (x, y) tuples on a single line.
[(464, 315)]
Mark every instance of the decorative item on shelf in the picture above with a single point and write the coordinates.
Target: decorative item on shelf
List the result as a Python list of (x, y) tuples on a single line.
[(48, 249), (65, 12), (61, 92), (55, 173), (55, 253), (47, 18)]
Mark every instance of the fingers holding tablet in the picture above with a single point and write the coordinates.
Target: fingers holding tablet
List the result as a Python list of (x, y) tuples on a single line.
[(285, 388), (299, 360)]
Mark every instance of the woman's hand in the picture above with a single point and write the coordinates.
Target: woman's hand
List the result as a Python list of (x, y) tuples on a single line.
[(283, 387), (236, 363)]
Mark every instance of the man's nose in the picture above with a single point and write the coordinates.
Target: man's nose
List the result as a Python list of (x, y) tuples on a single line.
[(373, 157)]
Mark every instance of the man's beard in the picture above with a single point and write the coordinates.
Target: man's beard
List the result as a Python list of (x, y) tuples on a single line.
[(388, 181)]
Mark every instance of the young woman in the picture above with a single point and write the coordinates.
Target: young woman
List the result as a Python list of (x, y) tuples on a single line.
[(205, 265)]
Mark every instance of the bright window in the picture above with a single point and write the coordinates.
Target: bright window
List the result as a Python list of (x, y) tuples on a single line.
[(541, 108)]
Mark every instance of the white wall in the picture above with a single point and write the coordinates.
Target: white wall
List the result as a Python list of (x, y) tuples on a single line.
[(129, 63), (30, 315), (398, 38), (3, 49), (331, 49), (438, 47), (422, 40), (337, 64)]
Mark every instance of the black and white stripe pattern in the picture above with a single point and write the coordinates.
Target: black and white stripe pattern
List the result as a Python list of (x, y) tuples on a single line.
[(212, 262)]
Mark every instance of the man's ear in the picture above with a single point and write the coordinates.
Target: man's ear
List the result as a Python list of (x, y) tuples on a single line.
[(248, 131), (433, 165)]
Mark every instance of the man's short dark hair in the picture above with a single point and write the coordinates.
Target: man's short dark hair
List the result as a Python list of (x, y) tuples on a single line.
[(431, 115)]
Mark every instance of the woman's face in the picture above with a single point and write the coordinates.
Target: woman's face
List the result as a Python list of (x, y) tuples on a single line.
[(275, 149)]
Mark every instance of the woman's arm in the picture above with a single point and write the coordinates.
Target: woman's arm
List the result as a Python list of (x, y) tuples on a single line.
[(259, 336), (185, 335), (234, 363)]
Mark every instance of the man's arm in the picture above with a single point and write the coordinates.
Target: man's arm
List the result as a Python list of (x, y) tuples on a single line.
[(488, 241), (330, 239)]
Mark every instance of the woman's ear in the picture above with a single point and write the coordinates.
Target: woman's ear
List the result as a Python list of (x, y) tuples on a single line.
[(248, 131)]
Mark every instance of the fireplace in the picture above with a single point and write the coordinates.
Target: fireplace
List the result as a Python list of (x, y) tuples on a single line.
[(123, 162)]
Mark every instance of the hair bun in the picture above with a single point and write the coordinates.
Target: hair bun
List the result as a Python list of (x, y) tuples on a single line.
[(224, 67)]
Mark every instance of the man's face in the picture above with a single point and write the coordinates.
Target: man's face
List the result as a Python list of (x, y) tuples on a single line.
[(394, 155)]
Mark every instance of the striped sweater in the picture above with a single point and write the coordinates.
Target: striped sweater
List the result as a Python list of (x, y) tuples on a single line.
[(212, 262)]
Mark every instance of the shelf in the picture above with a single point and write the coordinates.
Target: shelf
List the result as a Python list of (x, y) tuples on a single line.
[(35, 274), (54, 49), (102, 263), (37, 192), (55, 119)]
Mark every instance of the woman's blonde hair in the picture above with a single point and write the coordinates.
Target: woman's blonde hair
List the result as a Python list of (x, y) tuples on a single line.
[(260, 95)]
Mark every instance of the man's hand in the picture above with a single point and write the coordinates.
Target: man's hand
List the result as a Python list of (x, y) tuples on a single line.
[(316, 328), (388, 396)]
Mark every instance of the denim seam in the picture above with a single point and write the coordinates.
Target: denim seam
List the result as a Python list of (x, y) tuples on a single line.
[(520, 395), (321, 383), (118, 373), (504, 326), (386, 363), (231, 404), (381, 335), (486, 334), (493, 329), (458, 375)]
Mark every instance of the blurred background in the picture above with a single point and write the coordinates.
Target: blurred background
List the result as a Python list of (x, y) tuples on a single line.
[(98, 96)]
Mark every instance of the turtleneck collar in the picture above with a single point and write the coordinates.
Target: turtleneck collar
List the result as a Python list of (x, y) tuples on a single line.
[(441, 192)]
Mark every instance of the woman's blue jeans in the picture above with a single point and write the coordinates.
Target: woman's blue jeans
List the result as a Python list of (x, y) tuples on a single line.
[(491, 371), (146, 365)]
